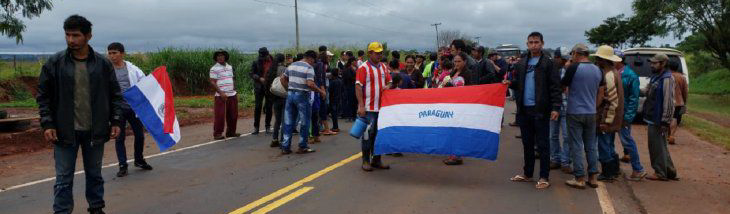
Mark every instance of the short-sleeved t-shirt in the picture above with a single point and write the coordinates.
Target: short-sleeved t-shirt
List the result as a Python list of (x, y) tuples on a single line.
[(299, 73), (373, 78), (223, 74), (530, 82), (583, 80)]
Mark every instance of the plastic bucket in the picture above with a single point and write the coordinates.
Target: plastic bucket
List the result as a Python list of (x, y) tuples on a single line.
[(359, 127)]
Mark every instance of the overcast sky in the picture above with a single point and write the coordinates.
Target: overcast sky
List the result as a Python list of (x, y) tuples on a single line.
[(146, 25)]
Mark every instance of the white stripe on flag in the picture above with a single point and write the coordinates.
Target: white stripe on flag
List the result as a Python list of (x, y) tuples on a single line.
[(151, 89), (473, 116)]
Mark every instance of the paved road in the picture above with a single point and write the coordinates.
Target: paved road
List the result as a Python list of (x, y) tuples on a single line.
[(245, 175)]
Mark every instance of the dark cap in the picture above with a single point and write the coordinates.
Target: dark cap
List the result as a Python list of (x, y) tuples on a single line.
[(263, 51)]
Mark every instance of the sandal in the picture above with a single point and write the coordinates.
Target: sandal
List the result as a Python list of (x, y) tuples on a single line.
[(542, 184), (305, 151), (520, 178)]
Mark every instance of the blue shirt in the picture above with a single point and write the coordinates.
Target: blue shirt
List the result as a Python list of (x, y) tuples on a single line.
[(530, 82), (583, 80), (299, 73)]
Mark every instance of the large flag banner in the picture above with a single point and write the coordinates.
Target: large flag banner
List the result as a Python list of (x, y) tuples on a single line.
[(462, 121), (152, 100)]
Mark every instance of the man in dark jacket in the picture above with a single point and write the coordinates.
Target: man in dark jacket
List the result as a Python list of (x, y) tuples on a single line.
[(658, 114), (485, 72), (259, 70), (80, 105), (538, 85)]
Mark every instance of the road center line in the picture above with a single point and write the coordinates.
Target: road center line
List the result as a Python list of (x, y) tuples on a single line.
[(115, 164), (283, 200), (294, 185), (604, 199)]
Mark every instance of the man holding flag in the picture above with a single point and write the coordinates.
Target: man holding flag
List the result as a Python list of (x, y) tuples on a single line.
[(372, 78), (127, 75)]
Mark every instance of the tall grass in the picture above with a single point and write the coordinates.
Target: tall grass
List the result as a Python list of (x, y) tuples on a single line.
[(712, 83)]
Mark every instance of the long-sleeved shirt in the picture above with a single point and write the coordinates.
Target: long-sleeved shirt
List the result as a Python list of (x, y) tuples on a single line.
[(659, 104), (611, 101), (631, 94), (680, 89)]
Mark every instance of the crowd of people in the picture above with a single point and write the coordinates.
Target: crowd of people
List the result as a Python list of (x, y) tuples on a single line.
[(81, 106)]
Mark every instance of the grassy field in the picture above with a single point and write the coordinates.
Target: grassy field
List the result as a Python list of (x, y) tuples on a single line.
[(716, 82), (22, 68), (703, 110)]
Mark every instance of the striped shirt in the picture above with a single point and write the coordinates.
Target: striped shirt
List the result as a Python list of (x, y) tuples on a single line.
[(299, 73), (373, 79), (223, 74)]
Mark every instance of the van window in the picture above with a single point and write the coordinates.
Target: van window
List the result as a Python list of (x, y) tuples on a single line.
[(640, 64)]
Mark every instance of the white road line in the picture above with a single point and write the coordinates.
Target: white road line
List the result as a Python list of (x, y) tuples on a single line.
[(115, 164), (604, 199)]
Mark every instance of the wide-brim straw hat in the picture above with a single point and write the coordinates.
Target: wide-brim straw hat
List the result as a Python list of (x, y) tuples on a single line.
[(606, 52)]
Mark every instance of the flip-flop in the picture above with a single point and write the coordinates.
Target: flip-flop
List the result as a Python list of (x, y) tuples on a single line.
[(542, 184), (520, 178)]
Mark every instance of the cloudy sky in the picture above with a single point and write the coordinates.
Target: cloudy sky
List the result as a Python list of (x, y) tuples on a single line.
[(146, 25)]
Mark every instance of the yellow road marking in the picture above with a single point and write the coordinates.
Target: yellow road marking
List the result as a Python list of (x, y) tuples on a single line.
[(283, 200), (295, 185)]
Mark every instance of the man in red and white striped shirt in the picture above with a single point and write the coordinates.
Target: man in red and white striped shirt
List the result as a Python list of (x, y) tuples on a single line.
[(371, 78)]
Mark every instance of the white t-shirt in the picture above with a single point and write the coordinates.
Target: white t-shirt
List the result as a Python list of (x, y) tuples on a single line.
[(223, 74)]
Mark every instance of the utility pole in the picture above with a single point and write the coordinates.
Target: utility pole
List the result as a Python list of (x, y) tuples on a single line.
[(437, 34), (296, 20)]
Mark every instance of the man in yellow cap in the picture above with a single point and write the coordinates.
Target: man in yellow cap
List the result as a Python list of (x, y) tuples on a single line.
[(372, 77)]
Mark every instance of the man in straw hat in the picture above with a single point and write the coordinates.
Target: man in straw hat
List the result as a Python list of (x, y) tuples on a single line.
[(582, 80), (658, 110), (610, 109)]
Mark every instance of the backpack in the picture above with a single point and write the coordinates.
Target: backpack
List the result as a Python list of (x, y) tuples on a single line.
[(277, 88)]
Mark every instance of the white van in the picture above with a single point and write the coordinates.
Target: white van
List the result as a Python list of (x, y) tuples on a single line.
[(637, 59)]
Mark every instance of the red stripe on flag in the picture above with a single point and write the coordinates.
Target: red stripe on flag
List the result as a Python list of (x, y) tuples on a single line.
[(488, 94), (163, 79)]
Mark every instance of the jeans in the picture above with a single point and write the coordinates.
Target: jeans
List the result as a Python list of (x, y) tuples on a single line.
[(535, 130), (65, 161), (661, 160), (368, 144), (297, 106), (630, 148), (559, 154), (582, 137), (606, 150), (278, 104), (129, 116), (226, 112), (262, 101)]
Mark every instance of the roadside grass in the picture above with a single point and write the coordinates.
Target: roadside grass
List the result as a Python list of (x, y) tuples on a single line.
[(716, 105), (714, 82), (22, 68), (26, 103), (245, 100), (707, 130)]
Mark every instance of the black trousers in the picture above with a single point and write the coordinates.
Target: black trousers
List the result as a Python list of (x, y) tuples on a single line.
[(262, 101), (535, 129), (278, 106)]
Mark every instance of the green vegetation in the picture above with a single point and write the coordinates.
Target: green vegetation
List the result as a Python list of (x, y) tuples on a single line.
[(716, 105), (712, 83), (26, 103), (9, 71), (707, 130)]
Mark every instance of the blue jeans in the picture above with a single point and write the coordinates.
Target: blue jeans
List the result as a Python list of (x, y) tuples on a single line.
[(65, 158), (630, 147), (559, 154), (297, 108), (582, 137), (368, 144), (138, 130), (606, 150)]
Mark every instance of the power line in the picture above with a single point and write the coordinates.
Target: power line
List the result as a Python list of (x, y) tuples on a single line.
[(327, 16), (389, 12)]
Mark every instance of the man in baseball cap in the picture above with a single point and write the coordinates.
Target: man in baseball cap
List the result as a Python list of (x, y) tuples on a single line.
[(658, 109), (369, 103)]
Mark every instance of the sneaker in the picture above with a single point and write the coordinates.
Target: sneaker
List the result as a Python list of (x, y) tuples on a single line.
[(637, 176), (255, 131), (578, 184), (142, 164), (122, 171), (305, 150), (219, 137), (285, 151)]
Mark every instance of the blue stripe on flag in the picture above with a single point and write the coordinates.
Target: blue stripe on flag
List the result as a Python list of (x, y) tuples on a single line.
[(438, 141), (149, 118)]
